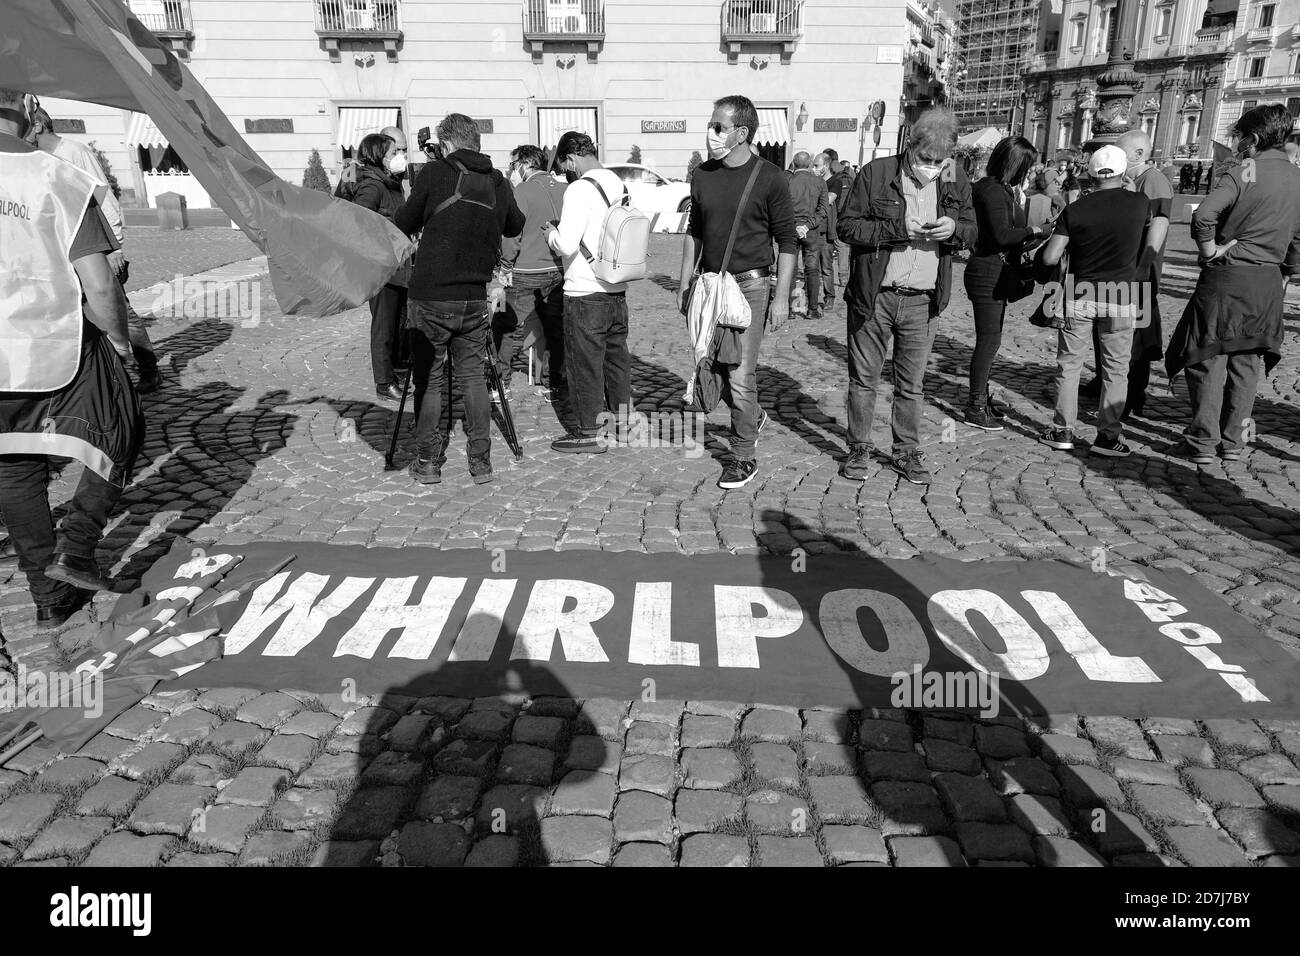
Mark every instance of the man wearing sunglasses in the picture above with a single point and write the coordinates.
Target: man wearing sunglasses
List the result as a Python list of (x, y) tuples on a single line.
[(767, 216), (904, 217)]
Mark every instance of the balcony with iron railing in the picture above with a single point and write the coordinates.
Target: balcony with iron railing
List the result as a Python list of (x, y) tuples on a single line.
[(1260, 34), (169, 21), (359, 23), (759, 22), (578, 21)]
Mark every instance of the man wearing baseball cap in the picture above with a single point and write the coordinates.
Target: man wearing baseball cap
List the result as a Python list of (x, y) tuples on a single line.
[(1104, 232)]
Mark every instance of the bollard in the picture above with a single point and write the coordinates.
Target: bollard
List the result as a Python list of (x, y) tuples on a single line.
[(172, 211)]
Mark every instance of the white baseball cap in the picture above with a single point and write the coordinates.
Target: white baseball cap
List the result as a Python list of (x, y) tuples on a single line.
[(1107, 163)]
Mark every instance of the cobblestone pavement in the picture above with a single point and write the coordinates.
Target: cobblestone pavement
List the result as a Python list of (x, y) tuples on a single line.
[(269, 430), (158, 256)]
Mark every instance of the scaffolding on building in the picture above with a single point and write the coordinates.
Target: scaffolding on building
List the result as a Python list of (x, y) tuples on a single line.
[(997, 40)]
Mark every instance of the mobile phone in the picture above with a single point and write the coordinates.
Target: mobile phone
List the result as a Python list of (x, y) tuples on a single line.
[(929, 225)]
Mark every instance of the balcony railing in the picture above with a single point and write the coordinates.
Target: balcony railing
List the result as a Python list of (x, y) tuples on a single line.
[(1250, 82), (1258, 34), (1043, 61), (174, 17), (762, 21), (169, 21), (363, 20), (561, 21)]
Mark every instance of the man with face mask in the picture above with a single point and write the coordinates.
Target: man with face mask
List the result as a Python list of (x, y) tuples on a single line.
[(63, 391), (904, 217), (811, 206), (766, 217), (536, 294)]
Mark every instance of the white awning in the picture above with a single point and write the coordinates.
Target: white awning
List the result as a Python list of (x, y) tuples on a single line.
[(358, 122), (141, 131), (773, 128), (554, 122)]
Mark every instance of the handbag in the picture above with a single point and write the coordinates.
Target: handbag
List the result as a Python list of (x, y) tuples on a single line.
[(1050, 312), (720, 301)]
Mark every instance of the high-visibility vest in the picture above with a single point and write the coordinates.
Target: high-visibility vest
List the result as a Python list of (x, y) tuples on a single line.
[(42, 202)]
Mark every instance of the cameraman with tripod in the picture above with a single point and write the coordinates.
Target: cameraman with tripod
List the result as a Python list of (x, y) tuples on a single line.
[(464, 206)]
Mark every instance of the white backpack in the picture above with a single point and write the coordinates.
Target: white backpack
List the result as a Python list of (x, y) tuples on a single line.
[(624, 244)]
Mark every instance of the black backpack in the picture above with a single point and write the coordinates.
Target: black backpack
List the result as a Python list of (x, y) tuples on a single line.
[(479, 191)]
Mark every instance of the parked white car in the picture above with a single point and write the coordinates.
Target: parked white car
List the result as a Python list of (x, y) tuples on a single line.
[(651, 192)]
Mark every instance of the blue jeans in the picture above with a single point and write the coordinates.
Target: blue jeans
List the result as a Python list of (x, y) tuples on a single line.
[(741, 391), (535, 303), (459, 331), (909, 322), (597, 364)]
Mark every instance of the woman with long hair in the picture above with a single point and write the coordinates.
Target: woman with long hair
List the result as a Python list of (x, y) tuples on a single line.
[(992, 272), (379, 188), (1248, 234)]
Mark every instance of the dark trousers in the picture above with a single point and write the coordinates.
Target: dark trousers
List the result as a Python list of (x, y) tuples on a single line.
[(1222, 390), (386, 310), (981, 279), (534, 315), (25, 504), (455, 332), (811, 249), (598, 366), (909, 321)]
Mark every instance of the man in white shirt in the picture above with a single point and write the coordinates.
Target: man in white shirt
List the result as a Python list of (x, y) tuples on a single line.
[(83, 157), (598, 366)]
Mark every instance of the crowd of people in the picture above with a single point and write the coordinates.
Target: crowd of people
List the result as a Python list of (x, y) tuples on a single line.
[(520, 258)]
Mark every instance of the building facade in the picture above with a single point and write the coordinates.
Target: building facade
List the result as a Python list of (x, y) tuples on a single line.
[(928, 58), (639, 76), (1181, 52), (1265, 67), (996, 40)]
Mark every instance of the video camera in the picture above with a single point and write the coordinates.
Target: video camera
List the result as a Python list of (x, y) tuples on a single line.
[(430, 149)]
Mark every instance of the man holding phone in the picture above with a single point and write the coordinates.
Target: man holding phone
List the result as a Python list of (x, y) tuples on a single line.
[(903, 218)]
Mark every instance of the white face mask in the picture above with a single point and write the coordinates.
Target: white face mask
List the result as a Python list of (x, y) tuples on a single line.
[(396, 163), (516, 177), (927, 171), (717, 144)]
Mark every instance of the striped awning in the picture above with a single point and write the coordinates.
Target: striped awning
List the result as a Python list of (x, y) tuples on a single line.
[(773, 128), (358, 122), (141, 131), (554, 122)]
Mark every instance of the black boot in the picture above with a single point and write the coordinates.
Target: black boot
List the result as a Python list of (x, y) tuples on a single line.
[(427, 467)]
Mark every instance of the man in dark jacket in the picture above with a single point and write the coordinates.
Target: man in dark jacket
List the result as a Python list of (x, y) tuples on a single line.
[(464, 206), (811, 209), (903, 218)]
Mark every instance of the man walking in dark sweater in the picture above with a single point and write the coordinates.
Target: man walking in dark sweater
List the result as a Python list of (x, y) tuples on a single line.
[(464, 206), (768, 216), (811, 208)]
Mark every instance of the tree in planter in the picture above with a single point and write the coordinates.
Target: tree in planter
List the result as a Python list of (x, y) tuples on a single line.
[(695, 160), (315, 177), (108, 170)]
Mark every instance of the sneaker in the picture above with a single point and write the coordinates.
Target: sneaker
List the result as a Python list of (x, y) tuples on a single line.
[(579, 445), (982, 419), (8, 549), (1110, 447), (997, 409), (738, 473), (1062, 439), (814, 314), (427, 471), (542, 392), (480, 469), (909, 465), (83, 573), (1185, 450), (856, 466), (1231, 454)]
